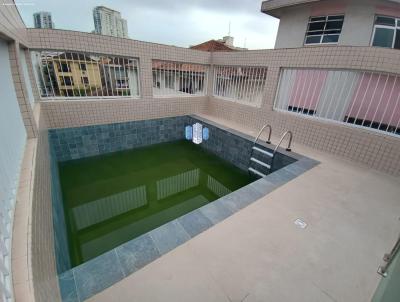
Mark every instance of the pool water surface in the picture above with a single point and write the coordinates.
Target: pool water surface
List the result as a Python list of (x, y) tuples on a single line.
[(113, 198)]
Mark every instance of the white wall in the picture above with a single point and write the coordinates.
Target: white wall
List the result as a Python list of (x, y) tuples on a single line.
[(292, 27), (12, 143)]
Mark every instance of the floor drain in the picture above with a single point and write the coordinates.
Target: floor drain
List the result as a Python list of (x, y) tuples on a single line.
[(300, 223)]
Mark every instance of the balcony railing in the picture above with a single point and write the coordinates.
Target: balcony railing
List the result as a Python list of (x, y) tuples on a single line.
[(81, 75), (359, 98)]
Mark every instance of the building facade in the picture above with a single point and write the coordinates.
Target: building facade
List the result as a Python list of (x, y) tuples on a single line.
[(342, 23), (109, 22), (43, 20)]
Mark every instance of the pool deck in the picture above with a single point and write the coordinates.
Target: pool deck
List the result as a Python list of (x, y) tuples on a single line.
[(259, 254)]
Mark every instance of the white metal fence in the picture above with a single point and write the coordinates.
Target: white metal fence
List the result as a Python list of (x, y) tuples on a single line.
[(361, 98), (179, 79), (75, 75), (241, 84)]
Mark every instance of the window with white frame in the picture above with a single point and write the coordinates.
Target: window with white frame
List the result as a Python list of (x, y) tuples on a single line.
[(65, 74), (360, 98), (324, 29), (178, 79), (386, 32), (243, 84)]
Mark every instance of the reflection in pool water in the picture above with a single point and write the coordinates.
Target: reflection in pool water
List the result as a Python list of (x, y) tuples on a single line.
[(113, 198)]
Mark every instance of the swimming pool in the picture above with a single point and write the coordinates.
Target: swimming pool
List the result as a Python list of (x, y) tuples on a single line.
[(124, 194)]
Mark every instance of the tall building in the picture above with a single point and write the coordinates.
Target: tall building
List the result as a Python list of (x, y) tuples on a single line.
[(109, 22), (43, 20)]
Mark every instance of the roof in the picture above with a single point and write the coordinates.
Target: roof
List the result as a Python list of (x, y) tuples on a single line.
[(213, 45)]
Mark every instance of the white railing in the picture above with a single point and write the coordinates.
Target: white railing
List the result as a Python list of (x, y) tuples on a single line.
[(241, 84), (360, 98), (179, 79), (63, 74)]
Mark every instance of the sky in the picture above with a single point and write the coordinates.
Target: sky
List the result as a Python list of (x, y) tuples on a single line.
[(173, 22)]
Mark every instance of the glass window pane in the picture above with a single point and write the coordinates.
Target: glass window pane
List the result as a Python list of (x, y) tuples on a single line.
[(330, 39), (383, 37), (315, 33), (317, 19), (385, 21), (397, 41), (334, 25), (341, 17), (316, 26), (313, 39)]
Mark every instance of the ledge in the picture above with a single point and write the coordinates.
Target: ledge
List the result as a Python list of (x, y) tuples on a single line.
[(272, 7)]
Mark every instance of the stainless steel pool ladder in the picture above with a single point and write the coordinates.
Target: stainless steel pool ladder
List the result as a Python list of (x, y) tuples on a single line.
[(271, 155), (388, 258)]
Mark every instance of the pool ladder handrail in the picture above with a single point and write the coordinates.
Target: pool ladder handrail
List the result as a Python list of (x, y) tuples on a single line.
[(261, 131), (271, 155), (281, 140), (388, 258)]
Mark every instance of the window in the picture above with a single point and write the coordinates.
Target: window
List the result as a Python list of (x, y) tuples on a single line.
[(85, 80), (243, 84), (324, 30), (359, 98), (63, 67), (66, 81), (386, 32), (178, 79), (99, 75)]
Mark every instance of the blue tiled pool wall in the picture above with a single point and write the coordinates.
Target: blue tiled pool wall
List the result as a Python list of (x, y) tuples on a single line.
[(236, 148), (80, 142), (63, 262)]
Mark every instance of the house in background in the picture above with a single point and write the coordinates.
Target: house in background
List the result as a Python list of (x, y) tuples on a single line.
[(71, 74), (343, 22), (224, 44)]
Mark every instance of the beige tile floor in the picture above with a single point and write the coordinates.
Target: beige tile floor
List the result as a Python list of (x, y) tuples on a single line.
[(258, 254)]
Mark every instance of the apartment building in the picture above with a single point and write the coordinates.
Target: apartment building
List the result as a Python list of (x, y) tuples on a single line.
[(109, 22), (43, 20)]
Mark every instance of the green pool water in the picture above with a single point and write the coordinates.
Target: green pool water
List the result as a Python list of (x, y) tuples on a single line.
[(113, 198)]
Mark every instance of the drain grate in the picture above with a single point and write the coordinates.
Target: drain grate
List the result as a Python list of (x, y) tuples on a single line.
[(300, 223)]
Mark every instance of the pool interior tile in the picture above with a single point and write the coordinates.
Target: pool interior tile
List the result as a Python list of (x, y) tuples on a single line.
[(195, 222), (97, 274), (169, 236), (135, 254)]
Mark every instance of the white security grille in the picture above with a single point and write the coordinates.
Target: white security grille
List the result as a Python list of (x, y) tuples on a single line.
[(360, 98), (178, 183), (105, 208), (178, 79), (80, 75), (241, 84)]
